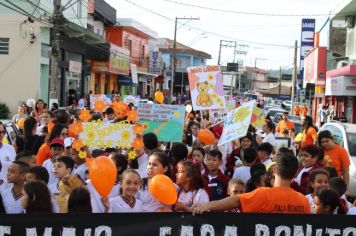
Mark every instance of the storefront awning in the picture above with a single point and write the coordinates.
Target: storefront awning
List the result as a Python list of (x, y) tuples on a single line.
[(146, 73), (125, 80), (159, 79), (95, 46)]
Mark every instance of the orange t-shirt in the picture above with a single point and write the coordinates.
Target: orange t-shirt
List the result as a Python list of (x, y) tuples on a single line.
[(284, 125), (274, 200), (43, 154), (297, 111), (309, 137), (304, 111), (337, 157)]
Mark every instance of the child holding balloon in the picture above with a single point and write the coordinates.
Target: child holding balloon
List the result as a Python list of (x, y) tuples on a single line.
[(120, 162), (158, 164), (191, 187), (126, 201)]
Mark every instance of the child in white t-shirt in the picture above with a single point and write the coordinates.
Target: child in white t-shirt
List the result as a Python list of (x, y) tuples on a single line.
[(126, 201), (11, 196)]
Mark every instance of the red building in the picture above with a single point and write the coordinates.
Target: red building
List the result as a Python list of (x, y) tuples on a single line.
[(133, 36)]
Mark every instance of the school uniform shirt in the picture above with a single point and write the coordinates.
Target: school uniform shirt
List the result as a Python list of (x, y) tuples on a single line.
[(80, 170), (193, 197), (242, 173), (54, 190), (7, 156), (267, 162), (216, 186), (269, 138), (142, 165), (121, 204), (95, 198), (352, 211), (12, 203), (310, 198), (150, 204), (48, 164)]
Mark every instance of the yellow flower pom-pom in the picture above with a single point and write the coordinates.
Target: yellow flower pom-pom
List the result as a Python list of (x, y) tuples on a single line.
[(132, 155), (82, 154)]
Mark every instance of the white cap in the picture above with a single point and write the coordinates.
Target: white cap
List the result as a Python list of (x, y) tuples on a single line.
[(68, 142)]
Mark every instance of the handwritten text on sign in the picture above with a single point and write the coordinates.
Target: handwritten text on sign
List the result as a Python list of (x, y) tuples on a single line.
[(105, 135)]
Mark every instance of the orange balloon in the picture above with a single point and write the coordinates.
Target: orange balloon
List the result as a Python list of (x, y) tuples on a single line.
[(206, 136), (102, 173), (21, 123), (159, 97), (163, 190)]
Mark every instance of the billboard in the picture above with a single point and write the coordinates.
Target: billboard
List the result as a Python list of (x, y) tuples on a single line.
[(315, 67), (306, 45)]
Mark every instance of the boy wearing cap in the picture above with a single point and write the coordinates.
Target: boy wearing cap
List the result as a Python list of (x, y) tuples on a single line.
[(56, 148)]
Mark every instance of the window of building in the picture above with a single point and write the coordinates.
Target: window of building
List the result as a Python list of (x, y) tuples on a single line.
[(4, 46)]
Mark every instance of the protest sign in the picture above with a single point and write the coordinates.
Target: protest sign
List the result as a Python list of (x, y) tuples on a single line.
[(216, 116), (166, 121), (236, 123), (258, 118), (104, 135), (164, 224), (206, 88), (231, 104), (132, 99), (96, 97)]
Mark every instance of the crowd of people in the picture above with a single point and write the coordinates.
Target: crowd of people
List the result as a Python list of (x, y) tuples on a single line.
[(42, 172)]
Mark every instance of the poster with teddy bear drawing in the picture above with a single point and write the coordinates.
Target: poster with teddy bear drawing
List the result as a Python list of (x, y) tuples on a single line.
[(206, 87)]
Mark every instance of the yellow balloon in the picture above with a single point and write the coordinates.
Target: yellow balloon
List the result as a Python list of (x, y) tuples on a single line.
[(159, 97)]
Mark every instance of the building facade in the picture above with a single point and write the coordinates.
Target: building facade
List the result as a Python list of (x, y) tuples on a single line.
[(185, 57), (134, 37)]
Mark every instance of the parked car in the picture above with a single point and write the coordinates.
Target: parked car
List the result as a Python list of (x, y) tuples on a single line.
[(345, 135), (11, 131), (273, 111)]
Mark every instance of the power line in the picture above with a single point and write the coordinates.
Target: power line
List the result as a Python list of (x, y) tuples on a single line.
[(212, 33), (246, 13)]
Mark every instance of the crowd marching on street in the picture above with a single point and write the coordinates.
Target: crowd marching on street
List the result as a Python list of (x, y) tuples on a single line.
[(45, 170)]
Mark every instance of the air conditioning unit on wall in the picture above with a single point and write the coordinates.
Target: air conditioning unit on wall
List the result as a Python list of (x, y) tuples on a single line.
[(350, 21), (342, 63)]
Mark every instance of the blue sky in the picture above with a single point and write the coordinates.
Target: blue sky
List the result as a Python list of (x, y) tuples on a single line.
[(260, 32)]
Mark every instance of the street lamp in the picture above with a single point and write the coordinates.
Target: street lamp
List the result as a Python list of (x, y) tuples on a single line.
[(254, 71)]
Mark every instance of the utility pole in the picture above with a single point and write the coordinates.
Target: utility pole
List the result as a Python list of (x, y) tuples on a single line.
[(173, 63), (56, 55), (280, 82), (295, 74)]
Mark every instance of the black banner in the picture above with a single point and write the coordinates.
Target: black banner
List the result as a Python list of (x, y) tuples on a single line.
[(226, 224)]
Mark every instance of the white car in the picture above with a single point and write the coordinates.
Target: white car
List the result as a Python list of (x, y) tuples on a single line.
[(273, 111), (345, 135)]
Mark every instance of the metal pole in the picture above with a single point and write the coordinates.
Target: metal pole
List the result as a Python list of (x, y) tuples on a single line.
[(173, 63), (56, 55), (295, 74), (280, 82), (254, 76), (232, 84), (240, 84), (219, 52), (181, 89)]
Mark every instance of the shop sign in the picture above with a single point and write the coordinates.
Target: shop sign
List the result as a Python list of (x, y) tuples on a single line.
[(75, 67), (315, 67), (306, 45), (341, 86), (134, 76), (118, 64)]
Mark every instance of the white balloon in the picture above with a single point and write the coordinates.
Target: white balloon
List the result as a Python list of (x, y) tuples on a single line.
[(149, 102), (30, 102), (188, 108)]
